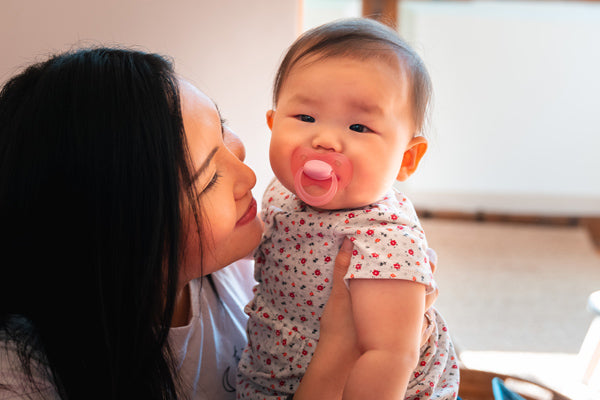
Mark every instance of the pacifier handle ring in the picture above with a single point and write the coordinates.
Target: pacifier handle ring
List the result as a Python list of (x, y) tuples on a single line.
[(315, 201)]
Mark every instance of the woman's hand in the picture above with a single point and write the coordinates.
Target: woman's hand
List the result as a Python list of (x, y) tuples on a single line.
[(337, 320), (337, 350), (430, 298)]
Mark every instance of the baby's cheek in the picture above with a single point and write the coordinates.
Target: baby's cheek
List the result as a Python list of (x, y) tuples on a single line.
[(283, 171), (368, 187)]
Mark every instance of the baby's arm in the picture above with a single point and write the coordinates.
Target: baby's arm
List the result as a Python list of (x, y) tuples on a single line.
[(388, 316)]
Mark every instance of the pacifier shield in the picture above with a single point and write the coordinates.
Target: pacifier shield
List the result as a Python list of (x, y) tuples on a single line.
[(330, 171)]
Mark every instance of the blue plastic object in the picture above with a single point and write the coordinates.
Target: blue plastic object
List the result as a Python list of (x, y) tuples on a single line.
[(501, 392)]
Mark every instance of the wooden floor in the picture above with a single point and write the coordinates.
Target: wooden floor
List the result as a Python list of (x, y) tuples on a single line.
[(514, 291)]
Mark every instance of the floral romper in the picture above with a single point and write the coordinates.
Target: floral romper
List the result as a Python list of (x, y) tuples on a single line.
[(293, 268)]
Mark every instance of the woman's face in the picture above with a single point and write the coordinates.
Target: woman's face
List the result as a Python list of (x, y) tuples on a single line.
[(230, 228)]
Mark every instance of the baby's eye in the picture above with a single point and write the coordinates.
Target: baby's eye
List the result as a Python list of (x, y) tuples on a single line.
[(360, 128), (305, 118)]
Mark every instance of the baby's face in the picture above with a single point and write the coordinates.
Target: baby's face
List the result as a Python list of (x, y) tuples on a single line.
[(357, 110)]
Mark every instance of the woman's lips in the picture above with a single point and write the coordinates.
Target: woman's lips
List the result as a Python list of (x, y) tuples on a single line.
[(249, 215)]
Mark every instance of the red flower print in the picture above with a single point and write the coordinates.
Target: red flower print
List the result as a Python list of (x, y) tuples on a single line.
[(280, 317), (298, 246), (320, 287), (268, 361), (281, 250), (411, 252), (397, 266), (375, 272), (358, 266), (317, 272), (393, 242), (309, 302), (308, 235), (292, 295), (370, 232), (351, 215), (327, 259), (303, 261), (394, 217), (266, 315), (355, 252), (374, 255)]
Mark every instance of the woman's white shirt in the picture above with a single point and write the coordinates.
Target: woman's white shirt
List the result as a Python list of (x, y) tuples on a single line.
[(209, 347)]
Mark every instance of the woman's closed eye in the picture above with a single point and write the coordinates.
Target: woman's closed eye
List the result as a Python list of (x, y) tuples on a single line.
[(213, 181), (360, 128), (305, 118)]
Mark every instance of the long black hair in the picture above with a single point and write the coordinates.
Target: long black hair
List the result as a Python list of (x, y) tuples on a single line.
[(94, 170)]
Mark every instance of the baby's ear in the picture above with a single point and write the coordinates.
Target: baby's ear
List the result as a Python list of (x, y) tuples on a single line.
[(270, 116), (412, 156)]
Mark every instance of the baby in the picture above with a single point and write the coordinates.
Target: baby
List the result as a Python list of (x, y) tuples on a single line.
[(350, 100)]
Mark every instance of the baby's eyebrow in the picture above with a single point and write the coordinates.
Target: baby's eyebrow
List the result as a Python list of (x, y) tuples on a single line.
[(366, 107), (302, 99), (205, 164)]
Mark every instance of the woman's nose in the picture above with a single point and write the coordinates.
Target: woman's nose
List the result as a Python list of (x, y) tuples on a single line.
[(245, 180)]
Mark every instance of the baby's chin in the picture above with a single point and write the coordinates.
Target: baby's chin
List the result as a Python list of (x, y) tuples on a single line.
[(341, 201), (344, 199)]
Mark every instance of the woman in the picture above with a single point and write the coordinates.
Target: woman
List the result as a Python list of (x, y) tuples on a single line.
[(120, 188)]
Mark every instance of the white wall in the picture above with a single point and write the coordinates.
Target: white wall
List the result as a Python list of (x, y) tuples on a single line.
[(229, 48), (516, 125), (317, 12)]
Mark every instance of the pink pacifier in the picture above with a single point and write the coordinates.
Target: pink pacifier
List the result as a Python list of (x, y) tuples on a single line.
[(330, 171)]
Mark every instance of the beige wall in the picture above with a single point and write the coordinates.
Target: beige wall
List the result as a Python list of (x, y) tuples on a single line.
[(229, 48)]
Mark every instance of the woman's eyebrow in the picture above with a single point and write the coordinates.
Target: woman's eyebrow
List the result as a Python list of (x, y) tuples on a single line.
[(220, 118), (205, 164)]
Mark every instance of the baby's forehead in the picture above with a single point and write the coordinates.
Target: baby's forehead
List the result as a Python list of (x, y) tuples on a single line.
[(387, 58), (369, 51)]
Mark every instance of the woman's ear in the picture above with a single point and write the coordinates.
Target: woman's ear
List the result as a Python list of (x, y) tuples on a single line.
[(270, 116), (412, 156)]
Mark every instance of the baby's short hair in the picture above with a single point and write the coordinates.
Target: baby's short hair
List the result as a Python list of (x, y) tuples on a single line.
[(362, 39)]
